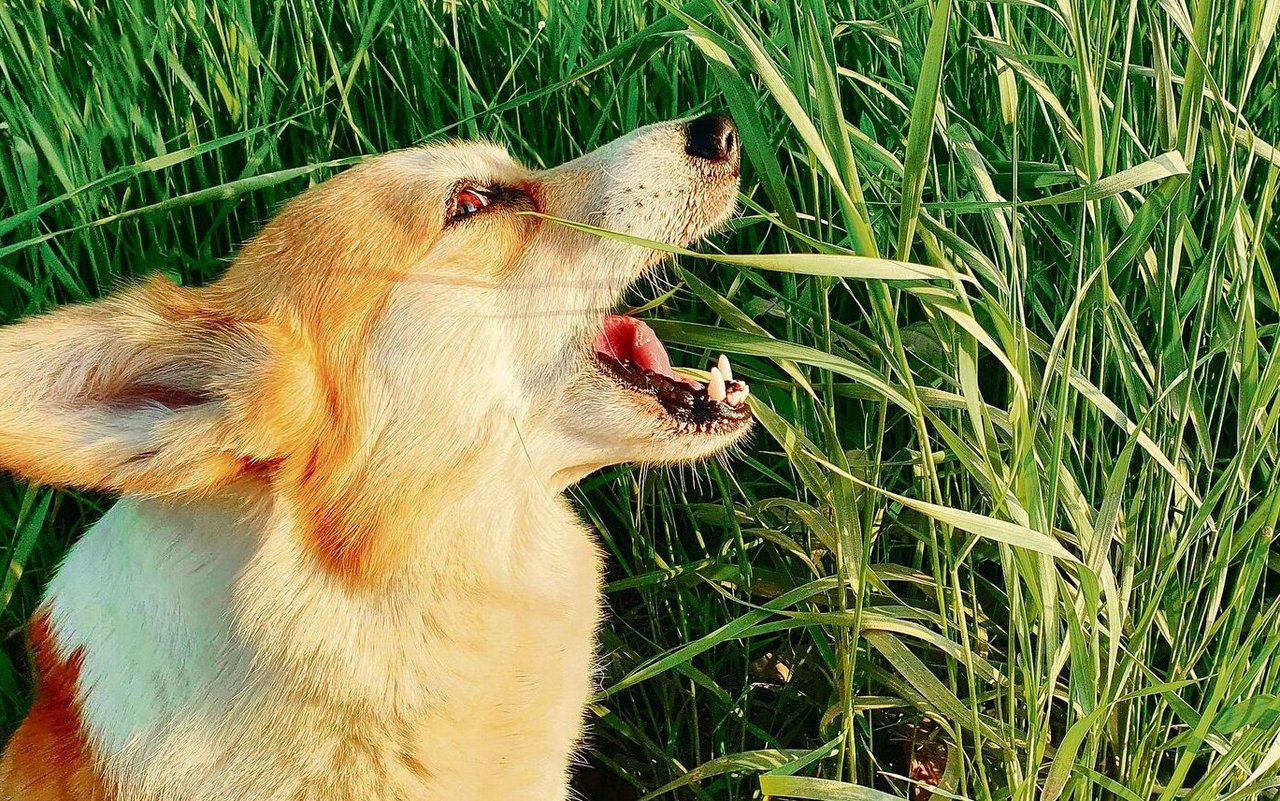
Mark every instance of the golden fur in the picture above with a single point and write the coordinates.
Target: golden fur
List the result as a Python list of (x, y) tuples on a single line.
[(343, 567)]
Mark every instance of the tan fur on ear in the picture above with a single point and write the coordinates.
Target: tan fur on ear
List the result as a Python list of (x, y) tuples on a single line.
[(151, 391)]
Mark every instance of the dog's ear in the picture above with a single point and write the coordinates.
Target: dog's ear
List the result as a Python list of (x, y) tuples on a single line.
[(152, 391)]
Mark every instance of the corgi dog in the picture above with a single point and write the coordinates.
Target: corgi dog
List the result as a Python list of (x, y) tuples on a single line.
[(342, 565)]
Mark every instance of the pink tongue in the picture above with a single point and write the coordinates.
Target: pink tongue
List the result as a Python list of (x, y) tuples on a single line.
[(629, 339)]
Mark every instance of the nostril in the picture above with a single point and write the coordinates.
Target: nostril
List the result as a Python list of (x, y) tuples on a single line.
[(713, 137)]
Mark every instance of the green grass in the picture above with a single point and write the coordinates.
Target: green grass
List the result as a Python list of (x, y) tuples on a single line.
[(1031, 497)]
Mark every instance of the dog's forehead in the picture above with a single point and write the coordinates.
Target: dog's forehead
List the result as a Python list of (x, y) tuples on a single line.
[(451, 163)]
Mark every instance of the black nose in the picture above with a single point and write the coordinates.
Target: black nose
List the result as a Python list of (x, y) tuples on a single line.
[(713, 137)]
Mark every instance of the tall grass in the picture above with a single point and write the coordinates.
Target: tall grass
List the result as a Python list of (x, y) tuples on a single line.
[(1013, 521)]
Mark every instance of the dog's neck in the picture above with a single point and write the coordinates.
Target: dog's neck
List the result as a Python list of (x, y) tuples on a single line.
[(221, 602), (484, 517)]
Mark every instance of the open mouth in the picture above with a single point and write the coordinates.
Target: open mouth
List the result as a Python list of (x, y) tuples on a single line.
[(632, 355)]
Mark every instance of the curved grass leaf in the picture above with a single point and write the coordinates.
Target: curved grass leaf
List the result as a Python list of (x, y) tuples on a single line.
[(745, 762), (920, 133), (863, 268), (819, 790)]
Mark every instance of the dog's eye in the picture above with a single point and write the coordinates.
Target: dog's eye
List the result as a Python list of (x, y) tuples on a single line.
[(467, 202)]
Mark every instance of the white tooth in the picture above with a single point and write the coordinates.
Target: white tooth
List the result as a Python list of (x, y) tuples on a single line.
[(723, 364), (715, 388)]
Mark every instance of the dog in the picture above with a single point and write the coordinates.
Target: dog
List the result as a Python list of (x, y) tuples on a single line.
[(342, 566)]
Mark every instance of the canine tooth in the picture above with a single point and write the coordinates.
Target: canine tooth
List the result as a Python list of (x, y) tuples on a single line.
[(725, 370), (715, 388)]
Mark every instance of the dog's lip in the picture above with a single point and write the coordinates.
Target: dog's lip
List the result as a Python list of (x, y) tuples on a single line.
[(630, 353)]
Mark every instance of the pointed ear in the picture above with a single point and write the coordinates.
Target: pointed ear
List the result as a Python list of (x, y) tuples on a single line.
[(152, 391)]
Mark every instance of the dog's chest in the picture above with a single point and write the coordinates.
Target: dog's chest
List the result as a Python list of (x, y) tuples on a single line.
[(258, 673)]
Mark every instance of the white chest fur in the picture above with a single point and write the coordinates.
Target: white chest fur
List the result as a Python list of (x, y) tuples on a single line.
[(219, 661)]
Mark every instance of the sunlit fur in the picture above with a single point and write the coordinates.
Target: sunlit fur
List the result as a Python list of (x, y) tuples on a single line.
[(342, 567)]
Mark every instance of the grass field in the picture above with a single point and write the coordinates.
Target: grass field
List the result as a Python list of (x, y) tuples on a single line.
[(1015, 519)]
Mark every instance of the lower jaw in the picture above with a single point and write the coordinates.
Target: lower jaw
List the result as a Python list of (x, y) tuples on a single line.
[(688, 407)]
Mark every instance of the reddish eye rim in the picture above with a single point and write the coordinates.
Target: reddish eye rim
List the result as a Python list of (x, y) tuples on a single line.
[(468, 201)]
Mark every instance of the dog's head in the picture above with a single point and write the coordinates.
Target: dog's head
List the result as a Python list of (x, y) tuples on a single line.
[(404, 324)]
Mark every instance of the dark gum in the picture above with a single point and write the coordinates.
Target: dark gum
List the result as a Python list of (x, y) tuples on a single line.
[(686, 404)]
